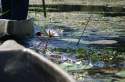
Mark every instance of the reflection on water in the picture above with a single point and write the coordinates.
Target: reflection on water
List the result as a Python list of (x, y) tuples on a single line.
[(103, 42)]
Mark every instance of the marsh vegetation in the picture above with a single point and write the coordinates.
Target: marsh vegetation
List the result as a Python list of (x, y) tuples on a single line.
[(100, 55)]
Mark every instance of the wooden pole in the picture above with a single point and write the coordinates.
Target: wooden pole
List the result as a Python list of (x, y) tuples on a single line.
[(84, 30), (44, 8)]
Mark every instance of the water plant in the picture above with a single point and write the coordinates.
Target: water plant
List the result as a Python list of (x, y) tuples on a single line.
[(81, 53)]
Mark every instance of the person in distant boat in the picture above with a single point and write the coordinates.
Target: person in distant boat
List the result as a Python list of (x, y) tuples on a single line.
[(14, 9)]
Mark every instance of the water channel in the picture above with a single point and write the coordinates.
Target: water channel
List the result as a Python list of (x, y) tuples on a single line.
[(99, 56)]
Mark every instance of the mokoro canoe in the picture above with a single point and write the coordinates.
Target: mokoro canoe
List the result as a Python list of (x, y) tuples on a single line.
[(19, 64)]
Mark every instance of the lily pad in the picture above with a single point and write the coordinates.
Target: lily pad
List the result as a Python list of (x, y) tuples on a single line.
[(74, 67), (121, 74)]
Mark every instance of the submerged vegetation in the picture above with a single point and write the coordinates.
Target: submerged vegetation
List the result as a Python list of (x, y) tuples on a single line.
[(100, 55), (109, 56)]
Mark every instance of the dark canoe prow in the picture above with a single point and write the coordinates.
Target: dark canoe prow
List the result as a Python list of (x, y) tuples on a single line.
[(19, 64), (16, 28)]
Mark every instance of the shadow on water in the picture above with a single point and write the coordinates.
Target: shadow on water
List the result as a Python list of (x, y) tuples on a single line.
[(102, 9)]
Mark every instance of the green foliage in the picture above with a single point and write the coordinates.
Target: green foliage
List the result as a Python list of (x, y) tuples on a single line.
[(107, 58), (95, 57), (70, 51), (117, 60), (58, 49), (81, 53), (109, 55)]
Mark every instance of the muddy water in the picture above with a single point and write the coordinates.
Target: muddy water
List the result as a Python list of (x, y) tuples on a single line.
[(101, 32)]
